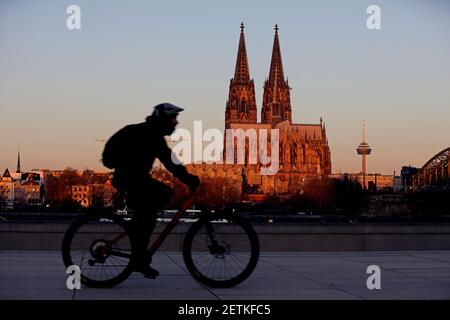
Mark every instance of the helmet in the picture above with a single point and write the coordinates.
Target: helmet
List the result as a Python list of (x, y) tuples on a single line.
[(166, 110)]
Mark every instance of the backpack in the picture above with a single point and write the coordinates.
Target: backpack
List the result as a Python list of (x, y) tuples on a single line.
[(114, 149)]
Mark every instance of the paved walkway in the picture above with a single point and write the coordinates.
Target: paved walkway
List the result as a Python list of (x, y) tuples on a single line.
[(278, 276)]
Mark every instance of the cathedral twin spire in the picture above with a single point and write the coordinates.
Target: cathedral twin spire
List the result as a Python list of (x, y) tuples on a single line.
[(276, 65), (241, 104), (276, 99), (242, 72)]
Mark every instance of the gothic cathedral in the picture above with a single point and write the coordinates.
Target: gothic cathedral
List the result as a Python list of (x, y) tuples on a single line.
[(303, 148)]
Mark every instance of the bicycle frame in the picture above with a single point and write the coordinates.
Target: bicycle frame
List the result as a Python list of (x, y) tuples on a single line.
[(185, 203)]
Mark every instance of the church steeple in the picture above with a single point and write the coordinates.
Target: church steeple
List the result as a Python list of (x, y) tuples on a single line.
[(241, 72), (276, 99), (18, 162), (276, 65), (241, 104)]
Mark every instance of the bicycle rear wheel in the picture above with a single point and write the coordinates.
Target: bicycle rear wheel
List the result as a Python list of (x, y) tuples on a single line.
[(221, 251), (101, 247)]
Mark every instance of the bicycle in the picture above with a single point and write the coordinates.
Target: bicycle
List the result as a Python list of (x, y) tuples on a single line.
[(220, 250)]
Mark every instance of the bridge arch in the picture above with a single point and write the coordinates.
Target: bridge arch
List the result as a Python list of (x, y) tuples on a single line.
[(435, 173)]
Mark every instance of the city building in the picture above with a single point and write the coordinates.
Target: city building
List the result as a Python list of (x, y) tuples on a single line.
[(6, 190), (303, 148), (21, 188), (31, 193), (97, 190), (407, 173)]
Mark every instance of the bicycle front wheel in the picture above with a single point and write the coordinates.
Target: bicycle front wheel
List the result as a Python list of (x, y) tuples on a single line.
[(221, 251), (101, 247)]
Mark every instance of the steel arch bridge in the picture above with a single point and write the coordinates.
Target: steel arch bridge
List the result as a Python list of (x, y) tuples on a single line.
[(435, 173)]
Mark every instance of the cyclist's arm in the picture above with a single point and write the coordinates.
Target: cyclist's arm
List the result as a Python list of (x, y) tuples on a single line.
[(165, 156)]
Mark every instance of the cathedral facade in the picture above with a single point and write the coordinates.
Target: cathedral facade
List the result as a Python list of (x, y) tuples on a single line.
[(303, 148)]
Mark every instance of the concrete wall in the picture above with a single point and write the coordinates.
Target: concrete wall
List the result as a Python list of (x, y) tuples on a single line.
[(273, 237)]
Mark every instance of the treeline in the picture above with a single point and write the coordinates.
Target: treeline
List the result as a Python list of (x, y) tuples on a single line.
[(320, 196), (58, 192)]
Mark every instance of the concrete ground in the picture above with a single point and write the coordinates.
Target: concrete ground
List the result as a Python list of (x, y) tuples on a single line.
[(278, 276)]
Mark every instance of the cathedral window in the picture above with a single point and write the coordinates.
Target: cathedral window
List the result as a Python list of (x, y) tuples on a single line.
[(243, 105), (276, 109), (294, 154)]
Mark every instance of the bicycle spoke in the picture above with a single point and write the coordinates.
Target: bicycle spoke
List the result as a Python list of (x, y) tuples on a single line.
[(103, 251), (223, 257)]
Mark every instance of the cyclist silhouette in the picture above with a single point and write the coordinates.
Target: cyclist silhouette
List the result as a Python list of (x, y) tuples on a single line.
[(131, 152)]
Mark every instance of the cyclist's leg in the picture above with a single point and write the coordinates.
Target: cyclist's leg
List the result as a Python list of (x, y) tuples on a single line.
[(146, 200)]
